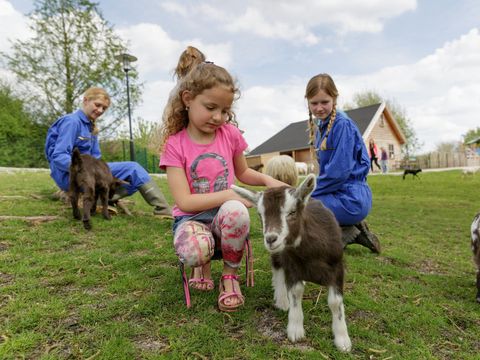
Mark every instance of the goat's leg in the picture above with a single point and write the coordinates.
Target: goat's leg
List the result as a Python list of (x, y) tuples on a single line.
[(295, 329), (104, 198), (478, 285), (339, 325), (88, 201), (93, 209), (74, 202), (280, 289)]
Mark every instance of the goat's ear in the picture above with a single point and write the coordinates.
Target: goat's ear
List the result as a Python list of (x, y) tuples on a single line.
[(306, 188), (249, 195)]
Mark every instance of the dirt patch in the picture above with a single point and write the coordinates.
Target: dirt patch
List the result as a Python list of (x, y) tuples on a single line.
[(429, 267), (6, 279), (3, 246), (269, 326), (147, 343)]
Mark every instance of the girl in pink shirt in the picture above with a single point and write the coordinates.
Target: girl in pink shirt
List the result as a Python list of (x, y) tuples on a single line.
[(202, 153)]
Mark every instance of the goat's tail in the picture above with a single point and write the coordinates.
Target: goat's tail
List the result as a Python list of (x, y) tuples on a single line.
[(76, 158)]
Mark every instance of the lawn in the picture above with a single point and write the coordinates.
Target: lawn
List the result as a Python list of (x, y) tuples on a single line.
[(115, 292)]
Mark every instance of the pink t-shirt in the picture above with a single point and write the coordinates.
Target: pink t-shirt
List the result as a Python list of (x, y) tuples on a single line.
[(209, 167)]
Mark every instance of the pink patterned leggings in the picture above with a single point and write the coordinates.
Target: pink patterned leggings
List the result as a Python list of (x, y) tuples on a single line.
[(195, 242)]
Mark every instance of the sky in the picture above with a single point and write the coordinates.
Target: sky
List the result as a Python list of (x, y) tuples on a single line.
[(423, 55)]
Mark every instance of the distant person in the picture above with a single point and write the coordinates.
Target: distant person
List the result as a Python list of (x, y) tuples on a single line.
[(372, 148), (384, 160), (79, 130), (343, 163), (202, 153)]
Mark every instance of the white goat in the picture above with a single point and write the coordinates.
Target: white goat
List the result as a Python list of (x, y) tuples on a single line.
[(475, 231), (283, 168), (304, 240)]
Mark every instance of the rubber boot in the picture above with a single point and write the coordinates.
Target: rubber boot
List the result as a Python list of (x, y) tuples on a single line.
[(367, 238), (152, 195), (349, 234)]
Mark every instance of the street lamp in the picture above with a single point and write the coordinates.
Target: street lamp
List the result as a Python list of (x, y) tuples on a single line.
[(126, 59)]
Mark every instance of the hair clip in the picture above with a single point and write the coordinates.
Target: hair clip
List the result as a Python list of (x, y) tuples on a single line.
[(208, 62)]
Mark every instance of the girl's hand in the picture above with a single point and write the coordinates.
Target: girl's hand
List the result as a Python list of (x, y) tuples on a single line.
[(245, 202), (271, 182)]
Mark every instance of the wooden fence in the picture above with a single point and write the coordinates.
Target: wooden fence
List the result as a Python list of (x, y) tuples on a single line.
[(436, 160)]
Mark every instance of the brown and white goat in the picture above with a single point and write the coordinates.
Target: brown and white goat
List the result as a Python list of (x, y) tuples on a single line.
[(475, 231), (92, 177), (304, 241)]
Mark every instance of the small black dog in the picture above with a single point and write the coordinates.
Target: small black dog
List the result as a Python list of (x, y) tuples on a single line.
[(92, 177), (414, 172)]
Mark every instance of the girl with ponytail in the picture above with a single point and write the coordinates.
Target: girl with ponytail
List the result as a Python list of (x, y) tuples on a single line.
[(343, 162)]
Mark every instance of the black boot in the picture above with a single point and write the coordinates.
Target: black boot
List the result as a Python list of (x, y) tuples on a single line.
[(367, 238), (349, 234), (152, 195)]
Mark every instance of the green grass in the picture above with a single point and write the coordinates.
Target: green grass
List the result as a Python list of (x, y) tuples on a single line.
[(115, 292)]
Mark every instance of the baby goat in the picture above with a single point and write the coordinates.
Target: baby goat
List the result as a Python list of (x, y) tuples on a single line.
[(94, 178), (304, 241), (475, 230)]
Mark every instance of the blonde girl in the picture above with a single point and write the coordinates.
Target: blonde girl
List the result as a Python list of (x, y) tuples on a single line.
[(79, 130), (343, 162), (202, 153)]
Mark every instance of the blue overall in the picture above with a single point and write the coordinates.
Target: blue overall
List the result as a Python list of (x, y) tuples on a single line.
[(342, 182), (74, 130)]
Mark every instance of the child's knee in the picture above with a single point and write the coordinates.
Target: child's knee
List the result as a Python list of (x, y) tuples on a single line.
[(194, 243), (235, 213)]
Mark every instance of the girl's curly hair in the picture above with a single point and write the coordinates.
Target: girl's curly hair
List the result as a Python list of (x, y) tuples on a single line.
[(202, 77)]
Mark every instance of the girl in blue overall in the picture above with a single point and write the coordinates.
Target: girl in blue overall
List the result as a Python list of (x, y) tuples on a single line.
[(78, 130), (343, 163)]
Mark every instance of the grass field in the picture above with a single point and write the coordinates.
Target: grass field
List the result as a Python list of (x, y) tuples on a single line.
[(115, 292)]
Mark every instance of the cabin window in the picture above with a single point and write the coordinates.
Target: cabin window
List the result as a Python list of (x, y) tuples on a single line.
[(391, 151), (382, 122)]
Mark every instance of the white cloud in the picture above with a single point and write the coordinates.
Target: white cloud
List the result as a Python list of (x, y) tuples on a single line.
[(440, 94), (264, 111), (298, 21), (14, 25), (158, 53)]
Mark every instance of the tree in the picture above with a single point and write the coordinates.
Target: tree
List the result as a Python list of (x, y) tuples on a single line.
[(73, 48), (449, 147), (471, 134), (370, 97), (21, 139)]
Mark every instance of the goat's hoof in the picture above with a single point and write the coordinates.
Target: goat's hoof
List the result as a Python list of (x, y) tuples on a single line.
[(295, 332), (282, 304), (107, 217), (87, 225), (343, 343)]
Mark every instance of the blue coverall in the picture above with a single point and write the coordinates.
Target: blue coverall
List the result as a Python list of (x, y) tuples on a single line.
[(342, 182), (74, 130)]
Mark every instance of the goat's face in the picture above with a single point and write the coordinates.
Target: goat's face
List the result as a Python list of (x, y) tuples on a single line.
[(114, 185), (280, 210)]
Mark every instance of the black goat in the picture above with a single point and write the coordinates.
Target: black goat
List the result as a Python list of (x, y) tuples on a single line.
[(305, 243), (93, 178), (414, 172)]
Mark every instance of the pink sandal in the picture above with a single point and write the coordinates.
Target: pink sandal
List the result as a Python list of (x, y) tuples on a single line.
[(225, 295), (193, 282)]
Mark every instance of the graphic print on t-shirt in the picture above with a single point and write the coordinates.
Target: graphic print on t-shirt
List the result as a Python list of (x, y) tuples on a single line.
[(206, 169)]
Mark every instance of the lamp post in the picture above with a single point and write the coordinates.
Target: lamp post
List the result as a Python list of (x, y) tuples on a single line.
[(126, 59)]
